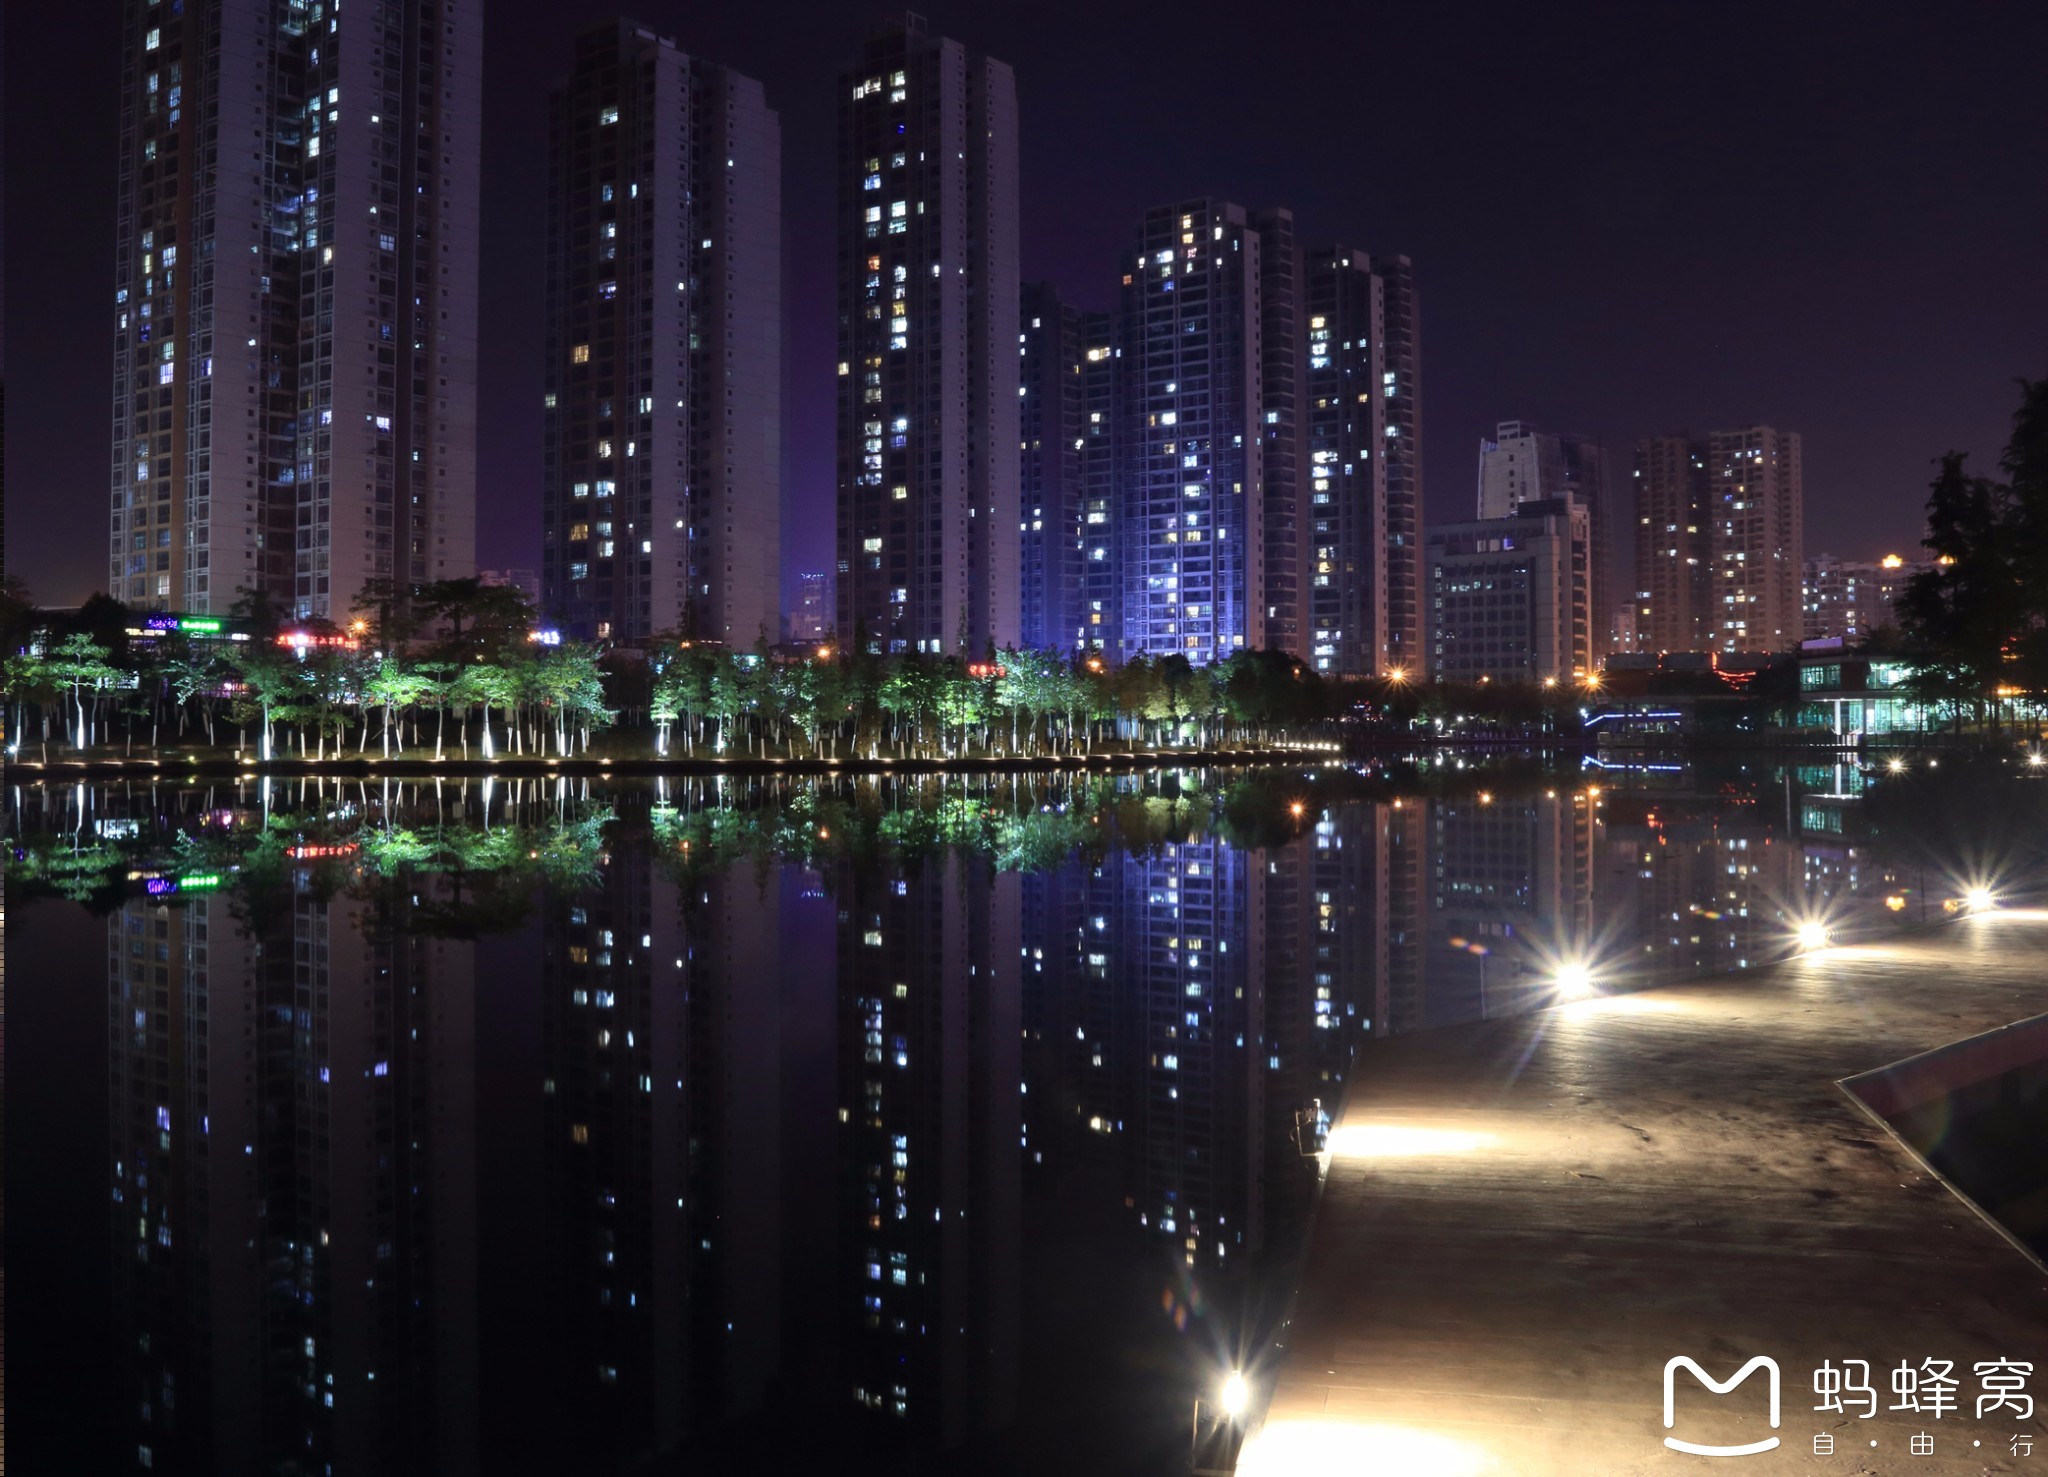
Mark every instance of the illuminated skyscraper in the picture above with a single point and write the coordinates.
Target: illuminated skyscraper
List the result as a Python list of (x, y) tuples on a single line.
[(662, 405), (1673, 539), (928, 296), (1401, 389), (1068, 440), (1720, 530), (1051, 444), (295, 309), (1193, 509), (1757, 497), (1344, 407)]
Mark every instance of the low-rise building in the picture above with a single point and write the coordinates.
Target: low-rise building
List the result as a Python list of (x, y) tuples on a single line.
[(1510, 599)]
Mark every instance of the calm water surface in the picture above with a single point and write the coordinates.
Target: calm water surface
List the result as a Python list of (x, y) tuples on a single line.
[(905, 1125)]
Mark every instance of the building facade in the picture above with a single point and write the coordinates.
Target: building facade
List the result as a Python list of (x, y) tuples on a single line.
[(1850, 598), (1757, 509), (1192, 504), (1051, 444), (1283, 428), (1510, 599), (928, 295), (1401, 389), (1103, 432), (1673, 542), (813, 618), (294, 385), (1344, 411), (1521, 464), (662, 391)]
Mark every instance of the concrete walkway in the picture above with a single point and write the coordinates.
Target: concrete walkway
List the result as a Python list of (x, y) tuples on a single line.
[(1525, 1219)]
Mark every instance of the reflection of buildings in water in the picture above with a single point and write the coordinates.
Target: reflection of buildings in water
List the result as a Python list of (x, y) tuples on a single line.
[(1194, 935), (614, 1053), (1404, 832), (929, 978), (1511, 896), (1078, 1038), (1185, 1004), (293, 1125), (662, 1133), (1697, 885)]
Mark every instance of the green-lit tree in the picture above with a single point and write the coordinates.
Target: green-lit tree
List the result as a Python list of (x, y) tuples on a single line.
[(80, 664)]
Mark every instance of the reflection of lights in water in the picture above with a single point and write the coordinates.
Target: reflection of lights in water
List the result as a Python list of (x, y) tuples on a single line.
[(1288, 1448), (1391, 1141)]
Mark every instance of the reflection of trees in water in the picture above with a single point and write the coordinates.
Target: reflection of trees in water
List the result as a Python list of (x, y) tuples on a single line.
[(492, 842)]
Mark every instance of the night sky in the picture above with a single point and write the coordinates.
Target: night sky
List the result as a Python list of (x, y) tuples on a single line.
[(1827, 217)]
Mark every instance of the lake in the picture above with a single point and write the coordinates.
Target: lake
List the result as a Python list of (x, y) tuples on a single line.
[(911, 1124)]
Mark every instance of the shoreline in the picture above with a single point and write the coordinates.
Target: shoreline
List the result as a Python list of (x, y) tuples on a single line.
[(531, 766)]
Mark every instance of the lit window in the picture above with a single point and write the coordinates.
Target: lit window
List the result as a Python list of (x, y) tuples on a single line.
[(607, 116), (580, 354)]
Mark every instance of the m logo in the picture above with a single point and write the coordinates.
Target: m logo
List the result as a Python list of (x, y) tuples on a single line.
[(1719, 1388)]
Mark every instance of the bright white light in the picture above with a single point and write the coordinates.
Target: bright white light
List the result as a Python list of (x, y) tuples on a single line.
[(1813, 935), (1980, 898), (1391, 1141), (2036, 759), (1574, 979), (1236, 1394), (1897, 766), (1314, 1448)]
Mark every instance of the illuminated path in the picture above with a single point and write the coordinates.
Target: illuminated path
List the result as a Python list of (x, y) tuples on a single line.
[(1525, 1219)]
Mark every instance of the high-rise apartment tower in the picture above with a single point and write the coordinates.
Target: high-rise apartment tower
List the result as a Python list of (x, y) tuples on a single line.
[(662, 386), (928, 299), (295, 300)]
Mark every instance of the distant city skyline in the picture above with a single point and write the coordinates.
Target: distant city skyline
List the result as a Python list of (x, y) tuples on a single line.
[(1562, 334)]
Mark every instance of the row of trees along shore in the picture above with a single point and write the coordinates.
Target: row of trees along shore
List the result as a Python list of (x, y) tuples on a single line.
[(454, 666), (454, 669)]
